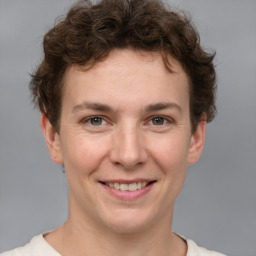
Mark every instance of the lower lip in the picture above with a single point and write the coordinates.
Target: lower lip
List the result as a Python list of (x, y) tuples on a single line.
[(128, 195)]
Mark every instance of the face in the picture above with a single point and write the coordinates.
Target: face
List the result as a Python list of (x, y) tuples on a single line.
[(125, 140)]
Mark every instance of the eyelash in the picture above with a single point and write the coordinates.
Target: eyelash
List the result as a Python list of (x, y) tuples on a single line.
[(90, 118), (166, 120)]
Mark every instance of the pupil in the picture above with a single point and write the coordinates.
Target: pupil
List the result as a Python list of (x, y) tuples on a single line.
[(158, 121), (96, 121)]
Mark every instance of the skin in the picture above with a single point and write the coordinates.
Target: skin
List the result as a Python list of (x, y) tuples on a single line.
[(142, 131)]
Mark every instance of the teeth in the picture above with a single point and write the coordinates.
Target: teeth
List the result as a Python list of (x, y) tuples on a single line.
[(128, 187), (132, 187), (124, 187), (116, 185)]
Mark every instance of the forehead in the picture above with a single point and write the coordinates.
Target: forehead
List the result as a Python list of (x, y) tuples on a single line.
[(128, 76)]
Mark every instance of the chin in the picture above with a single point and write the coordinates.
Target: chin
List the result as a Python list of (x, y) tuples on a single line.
[(128, 221)]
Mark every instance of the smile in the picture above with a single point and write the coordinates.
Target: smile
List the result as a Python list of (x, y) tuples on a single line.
[(127, 187), (128, 190)]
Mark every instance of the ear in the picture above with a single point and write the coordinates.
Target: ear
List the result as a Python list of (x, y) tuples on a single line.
[(52, 140), (197, 143)]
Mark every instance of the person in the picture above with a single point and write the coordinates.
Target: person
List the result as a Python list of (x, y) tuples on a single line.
[(125, 91)]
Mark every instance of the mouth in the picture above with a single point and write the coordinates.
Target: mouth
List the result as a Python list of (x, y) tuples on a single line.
[(128, 186), (128, 189)]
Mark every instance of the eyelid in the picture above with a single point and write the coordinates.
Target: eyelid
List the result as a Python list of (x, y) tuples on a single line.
[(87, 119), (166, 118)]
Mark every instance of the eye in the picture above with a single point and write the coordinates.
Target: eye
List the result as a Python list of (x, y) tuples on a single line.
[(159, 120), (96, 121)]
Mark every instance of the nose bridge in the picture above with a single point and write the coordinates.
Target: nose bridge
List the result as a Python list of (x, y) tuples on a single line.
[(128, 148)]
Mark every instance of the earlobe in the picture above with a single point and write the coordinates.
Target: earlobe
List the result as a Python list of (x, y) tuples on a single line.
[(197, 143), (52, 139)]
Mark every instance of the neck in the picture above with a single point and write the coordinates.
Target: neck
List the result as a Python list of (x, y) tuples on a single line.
[(81, 236), (84, 239)]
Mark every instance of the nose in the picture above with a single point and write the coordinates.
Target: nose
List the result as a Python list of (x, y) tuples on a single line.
[(128, 149)]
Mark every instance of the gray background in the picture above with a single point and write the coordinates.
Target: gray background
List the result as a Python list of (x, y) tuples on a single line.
[(217, 207)]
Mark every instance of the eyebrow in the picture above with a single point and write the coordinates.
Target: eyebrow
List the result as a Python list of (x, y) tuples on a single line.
[(106, 108), (163, 105), (92, 106)]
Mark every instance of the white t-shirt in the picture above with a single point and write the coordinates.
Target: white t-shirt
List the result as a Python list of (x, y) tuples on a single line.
[(38, 246)]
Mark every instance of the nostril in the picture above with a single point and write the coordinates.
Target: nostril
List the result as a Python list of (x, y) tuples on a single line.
[(128, 150)]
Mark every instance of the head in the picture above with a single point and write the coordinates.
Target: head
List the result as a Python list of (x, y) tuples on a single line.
[(125, 90), (90, 32)]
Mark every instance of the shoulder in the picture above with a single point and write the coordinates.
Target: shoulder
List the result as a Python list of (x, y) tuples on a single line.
[(39, 247), (195, 250), (36, 247)]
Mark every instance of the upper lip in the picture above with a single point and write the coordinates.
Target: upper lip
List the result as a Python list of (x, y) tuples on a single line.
[(123, 181)]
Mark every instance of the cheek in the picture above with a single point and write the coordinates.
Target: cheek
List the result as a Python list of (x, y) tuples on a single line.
[(170, 155), (82, 155), (170, 152)]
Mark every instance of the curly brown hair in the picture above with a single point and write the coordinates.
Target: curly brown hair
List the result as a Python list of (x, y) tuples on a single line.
[(90, 32)]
